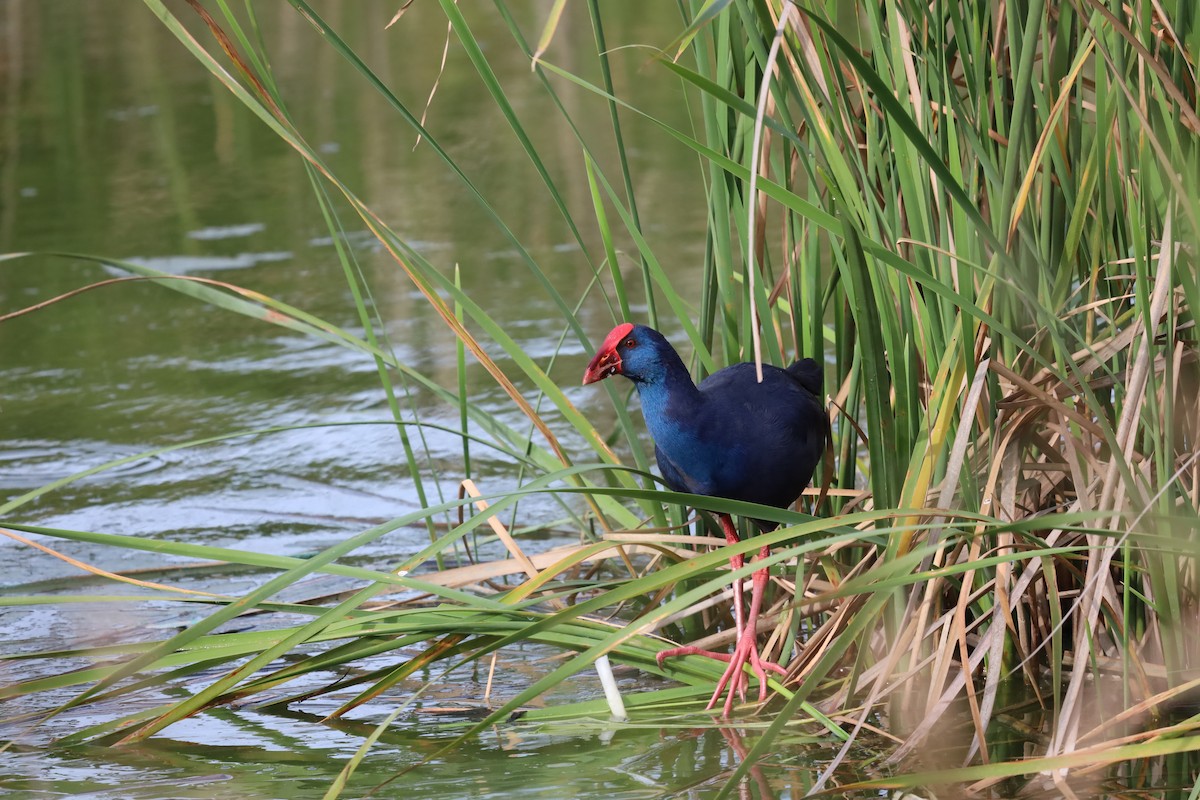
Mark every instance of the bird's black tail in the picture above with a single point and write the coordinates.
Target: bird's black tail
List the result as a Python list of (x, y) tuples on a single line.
[(809, 373)]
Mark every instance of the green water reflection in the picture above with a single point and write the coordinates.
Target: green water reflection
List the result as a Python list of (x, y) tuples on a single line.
[(588, 760), (119, 143)]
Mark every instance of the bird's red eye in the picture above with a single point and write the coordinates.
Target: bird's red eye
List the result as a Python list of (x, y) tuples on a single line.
[(630, 343)]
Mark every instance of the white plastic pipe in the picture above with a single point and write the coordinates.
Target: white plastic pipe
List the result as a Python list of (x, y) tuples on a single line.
[(611, 693)]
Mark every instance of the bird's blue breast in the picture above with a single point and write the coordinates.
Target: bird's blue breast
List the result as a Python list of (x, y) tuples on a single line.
[(690, 464), (693, 455)]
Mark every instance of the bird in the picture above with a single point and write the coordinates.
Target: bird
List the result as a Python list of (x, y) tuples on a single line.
[(732, 436)]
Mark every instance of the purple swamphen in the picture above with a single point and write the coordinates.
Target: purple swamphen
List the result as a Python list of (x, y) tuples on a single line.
[(732, 437)]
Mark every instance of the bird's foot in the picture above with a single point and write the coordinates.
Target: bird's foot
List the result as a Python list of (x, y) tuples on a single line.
[(734, 678), (691, 650), (745, 652)]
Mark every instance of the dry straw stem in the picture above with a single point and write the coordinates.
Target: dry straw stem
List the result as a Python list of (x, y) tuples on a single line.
[(103, 573), (1117, 495)]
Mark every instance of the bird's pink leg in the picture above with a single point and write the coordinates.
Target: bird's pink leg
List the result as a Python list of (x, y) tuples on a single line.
[(761, 579), (736, 562), (745, 651)]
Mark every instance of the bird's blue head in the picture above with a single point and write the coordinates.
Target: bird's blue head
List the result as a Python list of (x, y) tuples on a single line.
[(635, 351)]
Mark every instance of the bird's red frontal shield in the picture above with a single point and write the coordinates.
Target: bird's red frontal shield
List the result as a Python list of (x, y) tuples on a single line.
[(607, 361)]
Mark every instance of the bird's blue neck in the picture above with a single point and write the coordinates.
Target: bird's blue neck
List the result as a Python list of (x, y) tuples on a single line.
[(667, 395)]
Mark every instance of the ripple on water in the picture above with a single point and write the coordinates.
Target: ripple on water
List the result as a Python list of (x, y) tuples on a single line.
[(30, 464), (226, 231), (185, 265)]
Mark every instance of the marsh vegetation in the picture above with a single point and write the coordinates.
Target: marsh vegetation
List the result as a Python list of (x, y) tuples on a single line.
[(983, 217)]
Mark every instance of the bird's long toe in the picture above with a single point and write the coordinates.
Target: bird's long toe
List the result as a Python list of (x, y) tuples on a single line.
[(734, 680), (760, 668), (690, 650), (734, 676)]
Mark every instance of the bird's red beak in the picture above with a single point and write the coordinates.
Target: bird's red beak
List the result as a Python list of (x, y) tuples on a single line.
[(607, 361)]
